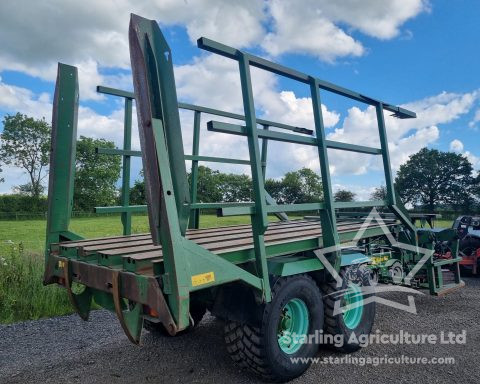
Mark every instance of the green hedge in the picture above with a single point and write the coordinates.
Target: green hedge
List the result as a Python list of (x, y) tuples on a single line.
[(11, 204)]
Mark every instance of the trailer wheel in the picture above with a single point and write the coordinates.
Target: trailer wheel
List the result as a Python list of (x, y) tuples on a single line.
[(296, 309), (197, 312), (358, 316)]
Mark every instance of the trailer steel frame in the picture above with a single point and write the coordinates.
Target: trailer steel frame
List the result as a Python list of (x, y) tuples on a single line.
[(155, 274)]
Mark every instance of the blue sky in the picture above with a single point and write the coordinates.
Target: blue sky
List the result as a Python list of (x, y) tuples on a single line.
[(419, 54)]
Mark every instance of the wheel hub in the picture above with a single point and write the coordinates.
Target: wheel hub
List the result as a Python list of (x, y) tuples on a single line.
[(294, 321), (353, 304)]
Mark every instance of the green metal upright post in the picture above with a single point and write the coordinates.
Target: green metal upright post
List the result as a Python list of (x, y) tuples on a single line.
[(259, 218), (264, 154), (327, 215), (127, 146), (385, 155), (195, 213), (62, 154), (391, 195)]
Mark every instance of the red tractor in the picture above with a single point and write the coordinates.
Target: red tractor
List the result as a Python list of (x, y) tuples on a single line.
[(468, 230)]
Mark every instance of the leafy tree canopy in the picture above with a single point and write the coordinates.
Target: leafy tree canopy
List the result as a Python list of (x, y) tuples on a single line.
[(302, 186), (96, 175), (344, 195), (25, 143), (379, 193), (431, 178)]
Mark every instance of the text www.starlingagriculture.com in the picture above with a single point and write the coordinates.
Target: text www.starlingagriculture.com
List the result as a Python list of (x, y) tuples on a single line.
[(374, 360)]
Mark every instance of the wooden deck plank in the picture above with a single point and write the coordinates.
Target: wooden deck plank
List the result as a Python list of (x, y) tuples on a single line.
[(103, 241), (217, 240), (243, 233), (270, 239), (195, 233)]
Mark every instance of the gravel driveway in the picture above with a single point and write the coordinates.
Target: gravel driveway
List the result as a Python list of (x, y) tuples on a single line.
[(68, 350)]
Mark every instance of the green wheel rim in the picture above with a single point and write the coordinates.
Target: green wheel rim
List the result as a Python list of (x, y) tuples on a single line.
[(294, 320), (353, 302)]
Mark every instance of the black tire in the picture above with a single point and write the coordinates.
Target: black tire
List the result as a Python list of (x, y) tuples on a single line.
[(257, 348), (335, 324), (197, 312)]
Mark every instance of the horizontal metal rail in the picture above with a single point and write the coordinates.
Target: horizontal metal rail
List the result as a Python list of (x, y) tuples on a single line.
[(212, 159), (210, 111), (208, 159), (359, 204), (234, 129), (117, 151), (121, 209), (250, 208), (232, 53)]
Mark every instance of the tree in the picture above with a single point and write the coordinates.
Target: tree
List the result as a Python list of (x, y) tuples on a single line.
[(214, 186), (25, 143), (344, 195), (379, 193), (207, 191), (96, 175), (432, 178), (302, 186), (234, 187), (137, 193), (275, 189)]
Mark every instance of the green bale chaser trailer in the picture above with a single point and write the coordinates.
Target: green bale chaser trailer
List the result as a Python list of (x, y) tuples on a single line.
[(269, 281)]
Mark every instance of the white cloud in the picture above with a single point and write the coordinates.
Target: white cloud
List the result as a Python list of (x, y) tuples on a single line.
[(475, 120), (456, 145), (322, 27), (93, 35), (405, 136), (376, 18), (13, 98), (289, 109), (307, 32), (474, 160)]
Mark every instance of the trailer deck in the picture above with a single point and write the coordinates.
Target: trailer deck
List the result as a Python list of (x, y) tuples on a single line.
[(137, 253)]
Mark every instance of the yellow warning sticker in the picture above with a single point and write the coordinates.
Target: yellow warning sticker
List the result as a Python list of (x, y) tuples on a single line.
[(203, 278)]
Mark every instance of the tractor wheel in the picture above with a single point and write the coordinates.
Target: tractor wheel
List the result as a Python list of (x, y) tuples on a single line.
[(396, 272), (197, 312), (349, 311), (374, 277), (294, 313), (469, 246)]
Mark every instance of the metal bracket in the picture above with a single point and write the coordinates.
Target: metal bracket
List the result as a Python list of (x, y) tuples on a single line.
[(131, 320), (81, 302)]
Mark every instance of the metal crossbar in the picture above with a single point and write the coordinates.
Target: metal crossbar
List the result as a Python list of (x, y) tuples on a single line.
[(259, 155), (126, 210)]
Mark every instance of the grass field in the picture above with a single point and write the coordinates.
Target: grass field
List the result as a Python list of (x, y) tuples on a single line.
[(22, 243)]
